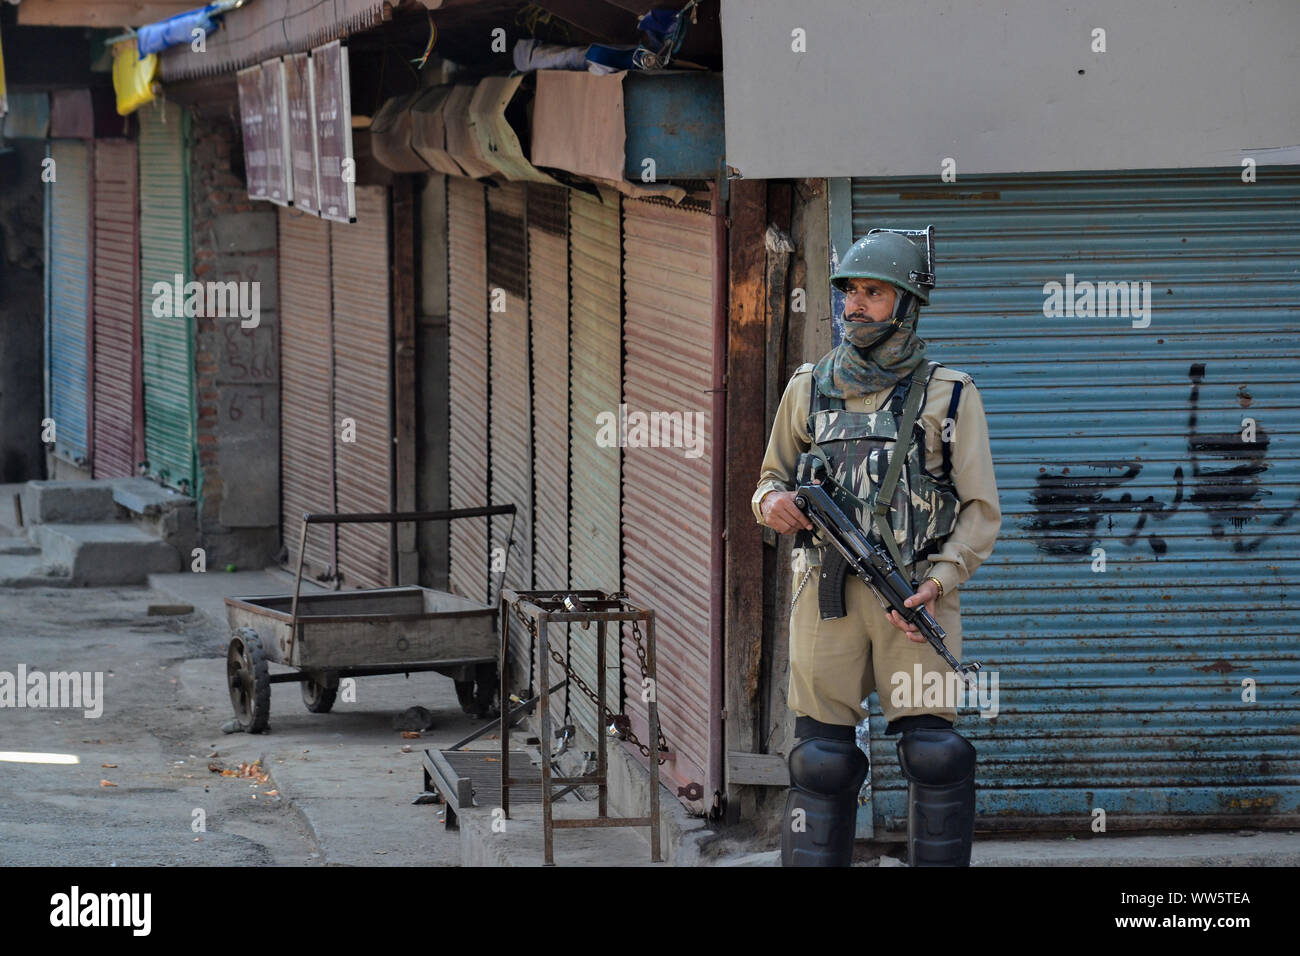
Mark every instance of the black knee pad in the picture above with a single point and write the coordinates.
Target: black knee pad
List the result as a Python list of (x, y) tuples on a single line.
[(939, 765), (822, 807), (936, 756), (827, 767)]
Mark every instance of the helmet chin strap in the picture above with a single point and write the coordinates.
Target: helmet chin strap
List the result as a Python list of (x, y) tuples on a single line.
[(902, 308)]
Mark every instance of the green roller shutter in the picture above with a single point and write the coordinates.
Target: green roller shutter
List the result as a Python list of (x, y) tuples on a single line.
[(168, 343)]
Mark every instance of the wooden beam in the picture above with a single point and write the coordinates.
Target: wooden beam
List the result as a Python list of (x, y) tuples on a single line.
[(757, 770), (99, 13), (602, 20), (746, 433)]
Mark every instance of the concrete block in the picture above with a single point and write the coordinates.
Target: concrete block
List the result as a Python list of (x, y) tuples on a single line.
[(106, 554), (53, 502), (144, 497)]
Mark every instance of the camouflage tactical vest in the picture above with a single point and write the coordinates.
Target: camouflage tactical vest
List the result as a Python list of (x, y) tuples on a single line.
[(858, 446)]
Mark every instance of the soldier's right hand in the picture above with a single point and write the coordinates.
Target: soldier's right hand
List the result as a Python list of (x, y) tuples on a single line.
[(780, 513)]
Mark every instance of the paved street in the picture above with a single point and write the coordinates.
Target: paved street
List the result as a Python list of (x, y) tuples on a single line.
[(340, 788), (150, 743)]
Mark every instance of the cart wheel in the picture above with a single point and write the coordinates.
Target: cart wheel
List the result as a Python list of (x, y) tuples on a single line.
[(249, 680), (318, 698), (465, 695), (487, 697)]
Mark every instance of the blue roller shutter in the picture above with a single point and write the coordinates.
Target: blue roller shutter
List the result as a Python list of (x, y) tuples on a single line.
[(68, 298), (1127, 689)]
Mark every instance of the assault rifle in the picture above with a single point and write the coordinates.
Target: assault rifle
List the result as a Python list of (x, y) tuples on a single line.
[(849, 549)]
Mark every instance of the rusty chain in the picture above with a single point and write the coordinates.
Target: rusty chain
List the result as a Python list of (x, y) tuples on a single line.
[(610, 718)]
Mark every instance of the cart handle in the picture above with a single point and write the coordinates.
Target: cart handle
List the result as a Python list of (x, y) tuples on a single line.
[(390, 517)]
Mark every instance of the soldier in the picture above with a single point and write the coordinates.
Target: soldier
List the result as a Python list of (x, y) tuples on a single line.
[(942, 517)]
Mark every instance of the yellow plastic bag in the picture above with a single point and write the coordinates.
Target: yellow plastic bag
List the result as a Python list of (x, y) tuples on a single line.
[(133, 78)]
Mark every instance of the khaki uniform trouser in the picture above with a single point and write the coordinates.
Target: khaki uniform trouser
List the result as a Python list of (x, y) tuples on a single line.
[(835, 665)]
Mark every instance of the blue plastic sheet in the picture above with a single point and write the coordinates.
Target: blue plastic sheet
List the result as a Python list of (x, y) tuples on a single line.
[(177, 30)]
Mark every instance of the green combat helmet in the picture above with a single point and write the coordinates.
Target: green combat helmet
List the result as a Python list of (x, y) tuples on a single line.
[(893, 256)]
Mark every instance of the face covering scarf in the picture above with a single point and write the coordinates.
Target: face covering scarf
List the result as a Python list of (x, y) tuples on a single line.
[(870, 359)]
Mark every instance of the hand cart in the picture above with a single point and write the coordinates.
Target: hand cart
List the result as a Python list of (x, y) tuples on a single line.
[(327, 637)]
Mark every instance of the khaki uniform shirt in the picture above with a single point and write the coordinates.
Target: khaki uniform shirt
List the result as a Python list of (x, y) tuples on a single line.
[(980, 515)]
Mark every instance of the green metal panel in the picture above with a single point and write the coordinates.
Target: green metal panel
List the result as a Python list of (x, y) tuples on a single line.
[(167, 340), (1123, 689)]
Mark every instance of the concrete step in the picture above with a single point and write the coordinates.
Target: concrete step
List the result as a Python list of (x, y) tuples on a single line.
[(105, 554), (30, 571), (15, 545), (68, 502)]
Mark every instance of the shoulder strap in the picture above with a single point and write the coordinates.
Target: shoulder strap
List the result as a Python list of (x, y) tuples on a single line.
[(947, 445), (885, 496)]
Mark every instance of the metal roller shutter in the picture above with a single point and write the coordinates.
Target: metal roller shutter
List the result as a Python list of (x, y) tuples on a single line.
[(668, 257), (68, 298), (596, 308), (167, 342), (306, 391), (548, 288), (548, 296), (510, 405), (363, 469), (118, 435), (1123, 689), (468, 383)]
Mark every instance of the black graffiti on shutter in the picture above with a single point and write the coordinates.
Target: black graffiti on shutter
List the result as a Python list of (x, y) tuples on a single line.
[(1227, 482), (1229, 485)]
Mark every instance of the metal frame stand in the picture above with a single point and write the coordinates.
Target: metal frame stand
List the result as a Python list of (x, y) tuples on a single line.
[(538, 609)]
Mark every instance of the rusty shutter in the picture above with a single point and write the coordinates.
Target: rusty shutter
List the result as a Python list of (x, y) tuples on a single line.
[(363, 469), (668, 347), (510, 403), (306, 435), (467, 383), (118, 423), (596, 309), (67, 297)]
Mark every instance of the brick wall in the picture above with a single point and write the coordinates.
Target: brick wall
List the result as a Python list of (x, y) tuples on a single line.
[(237, 369)]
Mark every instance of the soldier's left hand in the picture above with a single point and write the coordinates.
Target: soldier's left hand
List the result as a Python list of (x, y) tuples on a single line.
[(928, 593)]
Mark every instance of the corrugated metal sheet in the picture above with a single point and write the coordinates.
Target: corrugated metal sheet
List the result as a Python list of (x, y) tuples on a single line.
[(1123, 689), (595, 346), (363, 383), (468, 382), (307, 435), (511, 430), (548, 293), (68, 301), (668, 348), (167, 341), (119, 441), (268, 28)]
